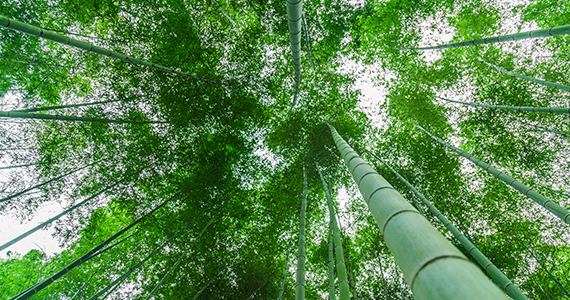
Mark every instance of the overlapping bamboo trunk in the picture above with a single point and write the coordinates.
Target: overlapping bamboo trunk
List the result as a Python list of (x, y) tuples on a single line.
[(550, 205), (552, 110), (24, 115), (300, 288), (331, 263), (502, 281), (339, 253), (527, 78), (554, 31), (294, 14), (433, 267)]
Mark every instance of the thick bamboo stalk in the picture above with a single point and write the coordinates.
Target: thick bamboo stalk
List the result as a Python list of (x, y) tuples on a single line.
[(85, 257), (308, 41), (552, 110), (300, 288), (502, 281), (554, 31), (60, 38), (433, 267), (331, 263), (28, 110), (294, 14), (550, 205), (23, 115), (18, 166), (43, 183), (339, 255), (527, 78), (51, 220)]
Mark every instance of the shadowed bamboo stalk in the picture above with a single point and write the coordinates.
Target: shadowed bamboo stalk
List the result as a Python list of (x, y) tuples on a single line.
[(544, 129), (18, 166), (433, 267), (527, 78), (308, 41), (300, 288), (550, 205), (223, 12), (24, 115), (85, 257), (60, 38), (284, 274), (500, 279), (294, 14), (339, 255), (331, 263), (82, 287), (552, 110), (554, 31), (28, 110), (43, 183)]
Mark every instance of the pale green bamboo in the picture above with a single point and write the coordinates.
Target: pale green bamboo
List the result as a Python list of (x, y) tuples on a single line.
[(294, 14), (60, 38), (307, 40), (433, 267), (23, 115), (502, 281), (43, 183), (544, 129), (284, 275), (29, 62), (85, 257), (554, 31), (223, 12), (82, 287), (18, 166), (527, 78), (300, 288), (339, 255), (384, 287), (28, 110), (331, 263), (552, 110), (347, 260), (51, 220), (550, 205)]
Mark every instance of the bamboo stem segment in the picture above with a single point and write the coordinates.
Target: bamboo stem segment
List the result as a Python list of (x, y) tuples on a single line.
[(552, 110), (433, 267), (300, 289), (294, 14), (24, 115)]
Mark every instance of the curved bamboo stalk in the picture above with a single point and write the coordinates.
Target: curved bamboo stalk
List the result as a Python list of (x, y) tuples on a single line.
[(307, 40), (43, 183), (24, 115), (331, 263), (294, 14), (18, 166), (28, 110), (527, 78), (433, 267), (554, 31), (550, 205), (552, 110), (300, 288), (87, 256), (60, 38), (339, 255), (502, 281)]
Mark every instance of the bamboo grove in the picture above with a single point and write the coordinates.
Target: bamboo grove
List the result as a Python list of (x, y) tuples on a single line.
[(232, 149)]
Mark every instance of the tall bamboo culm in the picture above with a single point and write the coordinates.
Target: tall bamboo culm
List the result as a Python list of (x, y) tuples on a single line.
[(331, 263), (300, 288), (433, 268), (550, 205), (552, 110), (500, 279), (338, 251), (295, 14)]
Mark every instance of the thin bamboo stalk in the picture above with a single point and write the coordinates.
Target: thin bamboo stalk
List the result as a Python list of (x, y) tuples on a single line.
[(527, 78), (294, 14), (23, 115), (331, 264), (554, 31), (28, 110), (550, 205), (87, 256), (18, 166), (223, 12), (308, 41), (82, 287), (433, 267), (502, 281), (300, 288), (60, 38), (339, 255), (552, 110)]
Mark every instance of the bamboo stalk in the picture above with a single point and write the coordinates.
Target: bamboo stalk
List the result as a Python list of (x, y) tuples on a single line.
[(27, 110), (294, 14), (284, 275), (554, 31), (552, 110), (223, 12), (24, 115), (331, 263), (60, 38), (550, 205), (307, 40), (300, 288), (527, 78), (502, 281), (433, 267), (339, 255), (18, 166)]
